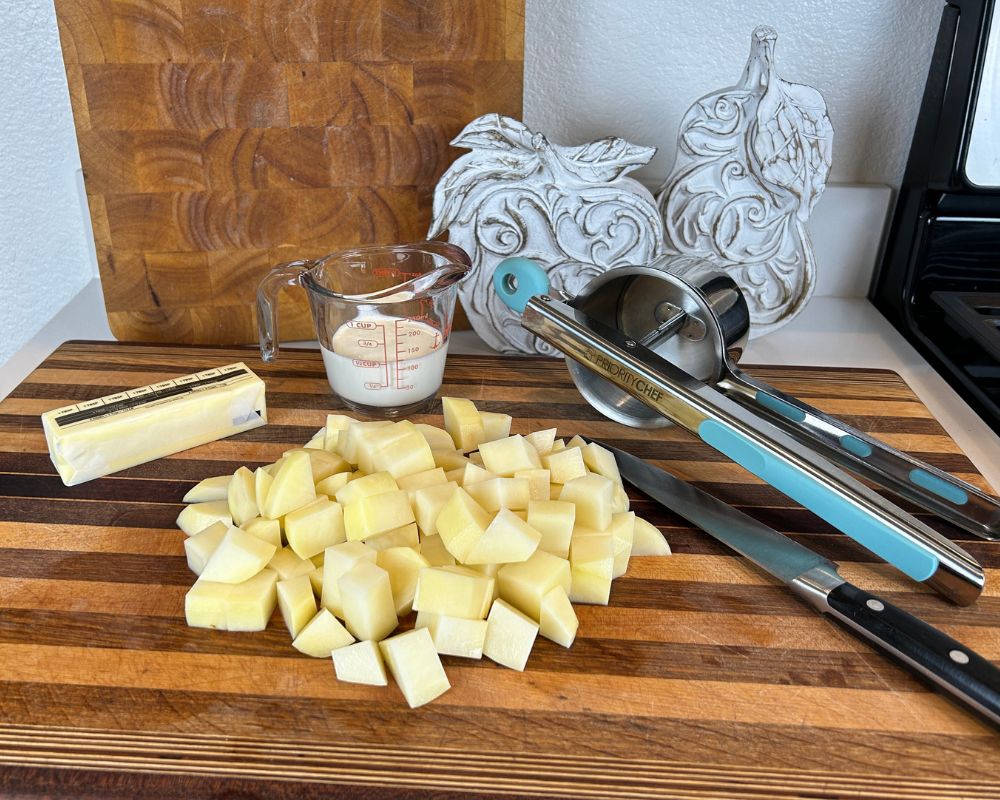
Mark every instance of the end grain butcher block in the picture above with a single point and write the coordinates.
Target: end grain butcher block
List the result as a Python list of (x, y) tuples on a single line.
[(702, 678)]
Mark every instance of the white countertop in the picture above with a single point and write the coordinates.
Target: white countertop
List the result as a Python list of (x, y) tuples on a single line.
[(832, 331)]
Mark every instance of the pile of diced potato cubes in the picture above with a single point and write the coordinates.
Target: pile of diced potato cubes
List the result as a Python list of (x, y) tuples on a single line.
[(489, 537)]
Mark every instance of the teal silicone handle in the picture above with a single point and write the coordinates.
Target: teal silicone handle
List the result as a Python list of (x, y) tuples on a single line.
[(517, 280), (907, 555)]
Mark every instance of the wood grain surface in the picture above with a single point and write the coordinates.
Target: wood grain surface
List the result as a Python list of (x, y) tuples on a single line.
[(221, 137), (702, 678)]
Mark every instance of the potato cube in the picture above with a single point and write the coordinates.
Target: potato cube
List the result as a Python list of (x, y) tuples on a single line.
[(208, 490), (510, 635), (316, 581), (292, 488), (322, 635), (296, 602), (267, 530), (554, 519), (592, 495), (418, 480), (406, 455), (538, 482), (403, 536), (416, 666), (592, 562), (366, 597), (591, 588), (403, 565), (272, 469), (469, 474), (199, 548), (437, 439), (454, 593), (314, 527), (334, 483), (495, 426), (349, 438), (198, 516), (374, 440), (577, 441), (622, 532), (437, 555), (490, 571), (506, 539), (601, 461), (251, 603), (558, 445), (238, 557), (205, 604), (542, 441), (565, 465), (449, 459), (373, 515), (339, 560), (335, 423), (287, 563), (461, 522), (507, 456), (367, 486), (454, 636), (321, 463), (262, 480), (497, 493), (620, 501), (360, 663), (647, 540), (317, 440), (463, 422), (558, 619), (524, 584)]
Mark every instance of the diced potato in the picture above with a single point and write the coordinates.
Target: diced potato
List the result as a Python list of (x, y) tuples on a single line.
[(554, 519), (490, 571), (506, 539), (542, 441), (317, 441), (538, 482), (360, 663), (407, 455), (416, 666), (329, 486), (524, 584), (469, 474), (199, 548), (449, 459), (198, 516), (647, 540), (497, 493), (591, 588), (577, 441), (403, 565), (510, 635), (620, 501), (592, 560), (418, 480), (366, 486), (507, 456), (322, 635), (558, 620), (404, 536), (565, 465), (208, 490), (292, 488), (238, 557), (296, 602), (461, 523), (454, 593), (338, 560), (375, 440), (373, 515), (437, 555), (250, 604), (454, 636), (476, 458), (321, 463), (268, 530), (366, 597), (495, 426), (288, 564), (205, 604), (558, 445), (316, 581), (463, 422), (272, 469), (601, 461), (314, 527), (262, 480), (335, 423), (622, 532), (437, 438), (349, 438), (592, 495)]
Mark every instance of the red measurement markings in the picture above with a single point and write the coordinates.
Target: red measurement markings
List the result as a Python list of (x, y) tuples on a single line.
[(395, 329), (364, 364), (362, 324)]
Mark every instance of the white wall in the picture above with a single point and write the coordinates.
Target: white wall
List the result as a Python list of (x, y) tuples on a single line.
[(593, 68), (46, 253), (632, 68)]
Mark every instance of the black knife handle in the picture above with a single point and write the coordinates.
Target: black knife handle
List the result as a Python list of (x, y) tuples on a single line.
[(953, 667)]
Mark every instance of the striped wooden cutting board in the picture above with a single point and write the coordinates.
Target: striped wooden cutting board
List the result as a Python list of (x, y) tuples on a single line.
[(702, 678)]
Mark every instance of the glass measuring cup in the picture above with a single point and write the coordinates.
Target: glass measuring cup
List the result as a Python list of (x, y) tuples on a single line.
[(382, 315)]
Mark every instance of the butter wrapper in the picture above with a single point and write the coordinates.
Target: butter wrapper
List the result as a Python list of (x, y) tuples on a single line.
[(96, 438)]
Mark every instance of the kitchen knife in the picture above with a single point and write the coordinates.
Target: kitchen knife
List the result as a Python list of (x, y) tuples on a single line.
[(949, 665)]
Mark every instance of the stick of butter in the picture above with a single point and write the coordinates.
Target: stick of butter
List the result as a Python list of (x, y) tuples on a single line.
[(112, 433)]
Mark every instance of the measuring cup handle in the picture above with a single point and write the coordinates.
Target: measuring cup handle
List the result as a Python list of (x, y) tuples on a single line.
[(517, 280), (287, 274)]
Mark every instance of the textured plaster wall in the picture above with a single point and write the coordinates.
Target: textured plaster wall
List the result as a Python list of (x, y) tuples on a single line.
[(632, 68), (45, 251)]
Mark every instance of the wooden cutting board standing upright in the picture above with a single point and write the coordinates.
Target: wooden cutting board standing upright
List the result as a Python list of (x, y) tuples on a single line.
[(221, 137)]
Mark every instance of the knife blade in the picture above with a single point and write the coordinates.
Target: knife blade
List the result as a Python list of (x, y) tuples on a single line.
[(950, 666)]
